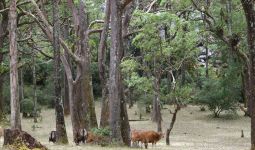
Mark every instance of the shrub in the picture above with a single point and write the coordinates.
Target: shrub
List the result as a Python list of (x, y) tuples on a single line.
[(101, 131), (219, 96), (27, 108)]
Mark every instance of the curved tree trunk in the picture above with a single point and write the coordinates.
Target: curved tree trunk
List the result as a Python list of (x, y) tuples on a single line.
[(14, 84)]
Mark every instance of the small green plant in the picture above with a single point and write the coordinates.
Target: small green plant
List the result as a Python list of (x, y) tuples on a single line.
[(101, 131)]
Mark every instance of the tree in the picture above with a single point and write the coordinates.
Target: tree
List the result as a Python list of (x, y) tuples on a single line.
[(117, 104), (14, 84), (80, 88), (248, 7), (114, 75), (59, 110), (104, 119)]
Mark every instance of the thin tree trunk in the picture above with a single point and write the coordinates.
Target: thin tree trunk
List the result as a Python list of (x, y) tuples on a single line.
[(248, 7), (168, 131), (14, 84), (34, 88), (156, 114), (104, 120), (125, 127), (59, 111), (21, 84)]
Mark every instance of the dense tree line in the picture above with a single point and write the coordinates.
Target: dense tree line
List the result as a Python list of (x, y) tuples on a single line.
[(149, 52)]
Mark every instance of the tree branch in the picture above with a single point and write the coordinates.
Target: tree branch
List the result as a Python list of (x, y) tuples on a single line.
[(48, 30), (95, 22)]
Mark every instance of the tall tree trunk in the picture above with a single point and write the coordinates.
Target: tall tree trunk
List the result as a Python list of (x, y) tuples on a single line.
[(14, 84), (156, 111), (125, 127), (248, 7), (104, 119), (156, 114), (34, 88), (59, 111), (86, 97), (87, 88), (65, 34), (73, 101), (114, 80)]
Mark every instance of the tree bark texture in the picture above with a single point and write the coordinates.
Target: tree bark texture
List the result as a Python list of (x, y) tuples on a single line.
[(14, 84), (114, 85), (168, 131), (104, 119), (248, 7), (125, 127), (65, 34), (34, 87), (156, 112), (61, 137)]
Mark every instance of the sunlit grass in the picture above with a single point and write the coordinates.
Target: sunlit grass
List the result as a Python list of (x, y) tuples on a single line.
[(194, 130)]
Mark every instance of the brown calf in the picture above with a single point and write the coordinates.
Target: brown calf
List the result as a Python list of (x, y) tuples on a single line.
[(150, 137)]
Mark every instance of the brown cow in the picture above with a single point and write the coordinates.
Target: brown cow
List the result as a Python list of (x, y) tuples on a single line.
[(135, 137), (150, 137), (93, 138)]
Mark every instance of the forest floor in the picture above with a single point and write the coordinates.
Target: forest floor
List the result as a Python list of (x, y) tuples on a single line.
[(194, 130)]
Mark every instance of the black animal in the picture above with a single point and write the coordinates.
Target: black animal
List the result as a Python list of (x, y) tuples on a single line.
[(81, 136), (53, 136)]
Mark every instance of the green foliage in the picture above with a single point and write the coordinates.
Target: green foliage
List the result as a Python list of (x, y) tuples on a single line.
[(222, 93), (101, 131), (27, 108), (181, 94)]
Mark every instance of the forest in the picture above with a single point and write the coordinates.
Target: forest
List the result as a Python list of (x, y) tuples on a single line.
[(127, 74)]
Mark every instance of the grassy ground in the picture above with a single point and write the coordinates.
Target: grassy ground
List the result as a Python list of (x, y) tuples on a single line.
[(194, 130)]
